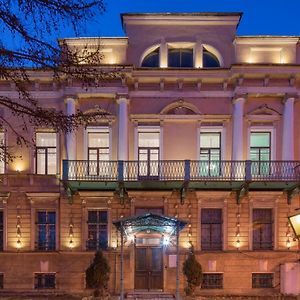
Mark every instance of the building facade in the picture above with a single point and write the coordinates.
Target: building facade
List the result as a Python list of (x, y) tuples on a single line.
[(202, 127)]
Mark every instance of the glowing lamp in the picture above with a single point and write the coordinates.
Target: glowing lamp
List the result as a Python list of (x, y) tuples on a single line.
[(238, 244), (19, 244), (166, 240), (71, 244), (295, 224)]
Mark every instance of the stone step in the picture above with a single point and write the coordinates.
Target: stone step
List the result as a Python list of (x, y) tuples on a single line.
[(149, 295)]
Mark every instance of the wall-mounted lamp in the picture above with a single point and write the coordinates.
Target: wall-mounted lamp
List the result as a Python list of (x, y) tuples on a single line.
[(295, 224)]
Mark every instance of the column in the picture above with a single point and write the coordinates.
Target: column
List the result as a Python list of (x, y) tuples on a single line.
[(163, 54), (71, 136), (198, 54), (237, 128), (288, 129), (123, 102)]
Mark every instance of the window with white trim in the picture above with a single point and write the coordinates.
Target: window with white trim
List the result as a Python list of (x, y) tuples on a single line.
[(46, 153), (210, 153), (180, 58), (98, 150), (260, 152), (148, 151)]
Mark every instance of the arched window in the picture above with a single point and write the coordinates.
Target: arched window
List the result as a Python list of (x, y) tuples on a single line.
[(151, 60), (180, 58), (210, 60)]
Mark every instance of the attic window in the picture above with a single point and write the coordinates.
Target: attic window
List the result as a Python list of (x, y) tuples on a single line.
[(210, 60), (180, 58), (151, 60)]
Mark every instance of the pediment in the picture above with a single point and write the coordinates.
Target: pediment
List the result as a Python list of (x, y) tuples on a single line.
[(264, 110), (180, 107)]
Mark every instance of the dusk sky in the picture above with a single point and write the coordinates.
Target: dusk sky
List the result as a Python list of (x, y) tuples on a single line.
[(274, 17)]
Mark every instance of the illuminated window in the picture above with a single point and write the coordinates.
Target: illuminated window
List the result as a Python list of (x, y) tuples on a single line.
[(97, 230), (46, 231), (46, 159), (210, 153), (210, 60), (44, 280), (211, 229), (180, 58), (262, 229), (260, 152), (151, 60), (148, 152), (98, 150)]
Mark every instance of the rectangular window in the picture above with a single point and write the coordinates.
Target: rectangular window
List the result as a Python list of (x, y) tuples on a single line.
[(210, 153), (1, 281), (211, 229), (260, 152), (46, 159), (212, 281), (2, 153), (1, 230), (148, 152), (44, 280), (97, 230), (98, 150), (46, 230), (262, 280), (262, 229)]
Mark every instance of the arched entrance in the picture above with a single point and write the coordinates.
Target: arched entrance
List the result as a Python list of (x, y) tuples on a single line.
[(146, 257)]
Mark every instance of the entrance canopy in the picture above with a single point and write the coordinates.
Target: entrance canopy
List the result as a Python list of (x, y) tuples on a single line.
[(149, 222)]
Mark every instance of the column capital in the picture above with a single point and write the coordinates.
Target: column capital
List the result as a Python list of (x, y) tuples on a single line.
[(69, 98), (120, 98), (239, 98), (289, 97)]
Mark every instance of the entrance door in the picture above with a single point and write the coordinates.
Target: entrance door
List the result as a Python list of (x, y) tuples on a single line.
[(148, 268)]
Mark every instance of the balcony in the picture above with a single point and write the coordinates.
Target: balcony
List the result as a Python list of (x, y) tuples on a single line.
[(167, 174)]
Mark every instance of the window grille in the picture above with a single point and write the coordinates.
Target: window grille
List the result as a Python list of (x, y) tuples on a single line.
[(44, 281), (262, 280), (212, 281)]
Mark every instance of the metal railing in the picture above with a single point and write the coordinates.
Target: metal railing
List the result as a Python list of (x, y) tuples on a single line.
[(181, 170)]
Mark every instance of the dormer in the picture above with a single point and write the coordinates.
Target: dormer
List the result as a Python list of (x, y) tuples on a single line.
[(181, 40)]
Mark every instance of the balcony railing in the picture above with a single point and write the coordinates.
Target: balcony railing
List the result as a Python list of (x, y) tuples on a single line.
[(181, 170)]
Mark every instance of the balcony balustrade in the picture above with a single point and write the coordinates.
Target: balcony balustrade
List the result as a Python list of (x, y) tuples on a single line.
[(181, 170)]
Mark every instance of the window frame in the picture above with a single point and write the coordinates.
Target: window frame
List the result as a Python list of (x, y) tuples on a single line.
[(210, 247), (2, 230), (44, 274), (213, 274), (97, 230), (95, 129), (36, 245), (260, 286), (272, 131), (1, 280), (181, 51), (2, 162), (57, 162), (262, 248)]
